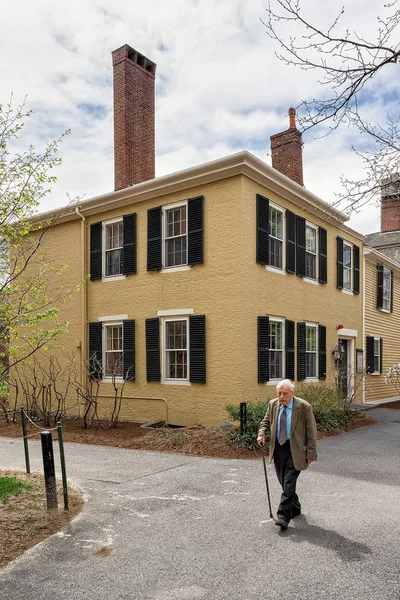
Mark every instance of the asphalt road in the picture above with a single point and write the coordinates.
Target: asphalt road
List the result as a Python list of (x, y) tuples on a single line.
[(180, 528)]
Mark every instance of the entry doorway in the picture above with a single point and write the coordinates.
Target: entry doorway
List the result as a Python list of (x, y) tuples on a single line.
[(343, 372)]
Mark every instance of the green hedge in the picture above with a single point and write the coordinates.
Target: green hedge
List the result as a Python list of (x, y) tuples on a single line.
[(330, 411)]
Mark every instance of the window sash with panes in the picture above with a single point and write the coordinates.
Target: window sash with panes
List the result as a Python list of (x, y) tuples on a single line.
[(275, 237), (347, 266), (387, 284), (276, 334), (113, 350), (311, 352), (377, 352), (175, 236), (311, 252), (176, 349), (113, 248)]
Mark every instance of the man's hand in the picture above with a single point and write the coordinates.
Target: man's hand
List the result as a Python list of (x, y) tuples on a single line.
[(309, 461), (261, 440)]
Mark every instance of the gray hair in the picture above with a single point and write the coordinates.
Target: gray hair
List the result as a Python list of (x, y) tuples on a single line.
[(286, 382)]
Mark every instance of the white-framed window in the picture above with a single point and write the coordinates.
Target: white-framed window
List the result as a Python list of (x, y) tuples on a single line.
[(377, 354), (175, 349), (113, 350), (311, 251), (113, 241), (276, 237), (311, 351), (387, 291), (347, 266), (276, 346), (175, 242)]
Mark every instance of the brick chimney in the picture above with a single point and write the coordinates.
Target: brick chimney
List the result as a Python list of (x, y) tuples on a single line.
[(134, 117), (286, 150), (390, 203)]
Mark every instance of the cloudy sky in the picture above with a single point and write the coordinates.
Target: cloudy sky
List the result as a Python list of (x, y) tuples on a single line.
[(220, 89)]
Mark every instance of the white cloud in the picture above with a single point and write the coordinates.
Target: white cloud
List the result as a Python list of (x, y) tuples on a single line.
[(220, 87)]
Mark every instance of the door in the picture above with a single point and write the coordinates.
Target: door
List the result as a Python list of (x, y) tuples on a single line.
[(342, 368)]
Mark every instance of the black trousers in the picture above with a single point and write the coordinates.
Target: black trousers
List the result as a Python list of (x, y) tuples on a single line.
[(287, 476)]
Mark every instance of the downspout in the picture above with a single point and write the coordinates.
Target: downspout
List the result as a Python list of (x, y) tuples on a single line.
[(84, 303), (363, 327)]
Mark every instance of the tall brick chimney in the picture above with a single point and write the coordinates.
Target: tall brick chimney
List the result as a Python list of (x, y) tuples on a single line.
[(134, 117), (390, 203), (286, 150)]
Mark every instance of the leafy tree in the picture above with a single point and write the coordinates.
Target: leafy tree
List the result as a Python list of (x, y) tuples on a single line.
[(30, 283), (350, 66)]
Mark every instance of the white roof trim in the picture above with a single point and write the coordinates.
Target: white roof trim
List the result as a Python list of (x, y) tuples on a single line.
[(241, 163)]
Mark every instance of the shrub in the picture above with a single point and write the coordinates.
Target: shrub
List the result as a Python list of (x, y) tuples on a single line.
[(330, 409), (255, 412)]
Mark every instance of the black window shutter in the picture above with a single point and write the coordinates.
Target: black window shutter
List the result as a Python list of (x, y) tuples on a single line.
[(290, 242), (380, 355), (391, 290), (196, 230), (153, 349), (370, 354), (263, 349), (323, 255), (197, 346), (301, 351), (356, 269), (262, 230), (379, 297), (154, 254), (339, 263), (289, 343), (95, 251), (322, 351), (300, 246), (129, 349), (129, 260), (95, 349)]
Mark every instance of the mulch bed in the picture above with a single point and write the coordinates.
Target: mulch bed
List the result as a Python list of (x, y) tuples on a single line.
[(210, 442)]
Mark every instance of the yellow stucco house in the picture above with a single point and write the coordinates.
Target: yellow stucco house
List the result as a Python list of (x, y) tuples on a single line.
[(207, 286)]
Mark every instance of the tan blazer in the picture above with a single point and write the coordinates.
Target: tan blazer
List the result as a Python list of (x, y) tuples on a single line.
[(303, 431)]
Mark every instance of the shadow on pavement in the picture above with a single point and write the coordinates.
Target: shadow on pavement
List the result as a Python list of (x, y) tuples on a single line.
[(347, 550)]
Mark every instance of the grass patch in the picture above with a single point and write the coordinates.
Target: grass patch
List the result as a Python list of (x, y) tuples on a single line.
[(9, 486)]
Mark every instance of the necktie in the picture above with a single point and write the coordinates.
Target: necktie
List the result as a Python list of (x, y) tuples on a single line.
[(282, 427)]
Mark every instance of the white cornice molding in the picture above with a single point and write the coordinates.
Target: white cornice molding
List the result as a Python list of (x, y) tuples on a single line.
[(241, 163), (374, 256)]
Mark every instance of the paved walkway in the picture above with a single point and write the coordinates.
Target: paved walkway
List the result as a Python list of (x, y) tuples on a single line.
[(184, 528)]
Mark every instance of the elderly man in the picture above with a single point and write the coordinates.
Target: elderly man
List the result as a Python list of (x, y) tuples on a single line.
[(293, 445)]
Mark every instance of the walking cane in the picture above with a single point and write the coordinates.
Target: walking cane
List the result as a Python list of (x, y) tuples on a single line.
[(266, 483)]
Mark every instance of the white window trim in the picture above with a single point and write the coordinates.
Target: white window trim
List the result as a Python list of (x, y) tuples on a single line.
[(314, 378), (311, 279), (349, 290), (165, 379), (113, 318), (113, 278), (283, 211), (103, 250), (277, 379), (164, 209), (111, 323), (175, 312)]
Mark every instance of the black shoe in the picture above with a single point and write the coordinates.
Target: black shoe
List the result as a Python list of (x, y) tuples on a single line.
[(282, 524), (296, 512)]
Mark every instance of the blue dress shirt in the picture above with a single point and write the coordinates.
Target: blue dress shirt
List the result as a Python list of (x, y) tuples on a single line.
[(289, 410)]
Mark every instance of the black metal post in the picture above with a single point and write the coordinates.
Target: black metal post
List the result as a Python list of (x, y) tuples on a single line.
[(23, 421), (243, 418), (49, 472), (63, 470)]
